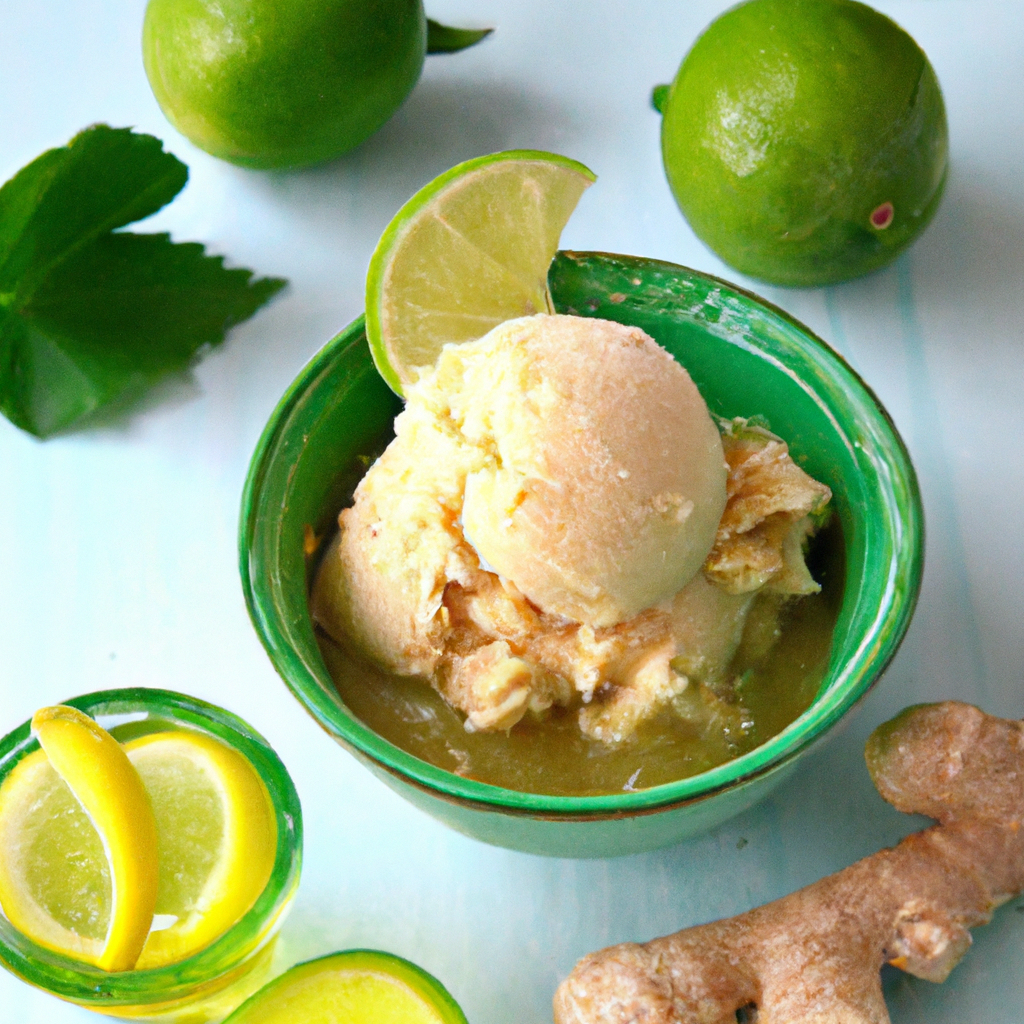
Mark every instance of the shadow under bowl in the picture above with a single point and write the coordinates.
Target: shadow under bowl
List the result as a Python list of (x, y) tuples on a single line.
[(746, 357)]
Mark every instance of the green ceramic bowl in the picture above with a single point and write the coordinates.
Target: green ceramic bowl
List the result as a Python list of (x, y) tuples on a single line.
[(745, 356)]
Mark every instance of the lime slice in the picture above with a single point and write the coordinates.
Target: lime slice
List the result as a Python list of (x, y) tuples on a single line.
[(217, 839), (201, 860), (467, 252), (359, 986), (78, 846)]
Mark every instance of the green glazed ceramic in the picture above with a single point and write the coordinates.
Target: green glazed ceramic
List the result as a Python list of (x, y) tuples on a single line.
[(211, 983), (745, 356)]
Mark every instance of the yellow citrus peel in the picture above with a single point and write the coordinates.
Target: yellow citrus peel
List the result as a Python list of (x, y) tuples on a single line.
[(96, 769)]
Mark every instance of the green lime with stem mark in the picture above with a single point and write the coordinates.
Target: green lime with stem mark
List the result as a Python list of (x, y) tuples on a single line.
[(805, 140), (286, 83)]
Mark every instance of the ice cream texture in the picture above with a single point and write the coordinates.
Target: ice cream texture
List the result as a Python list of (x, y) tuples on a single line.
[(560, 520)]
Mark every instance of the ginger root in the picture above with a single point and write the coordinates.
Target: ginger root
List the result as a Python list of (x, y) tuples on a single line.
[(813, 957)]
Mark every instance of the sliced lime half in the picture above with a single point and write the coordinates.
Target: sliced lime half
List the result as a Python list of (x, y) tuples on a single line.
[(358, 986)]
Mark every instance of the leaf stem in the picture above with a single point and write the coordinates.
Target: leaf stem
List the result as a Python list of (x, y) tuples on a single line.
[(443, 39)]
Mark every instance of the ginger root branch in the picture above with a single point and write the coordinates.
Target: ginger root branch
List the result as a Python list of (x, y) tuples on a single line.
[(814, 957)]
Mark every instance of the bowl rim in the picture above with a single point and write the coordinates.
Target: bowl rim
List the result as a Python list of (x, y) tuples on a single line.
[(225, 957), (874, 653)]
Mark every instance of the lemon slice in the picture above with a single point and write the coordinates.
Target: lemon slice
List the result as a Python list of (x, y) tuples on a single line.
[(359, 986), (467, 252), (217, 839), (78, 846), (202, 857)]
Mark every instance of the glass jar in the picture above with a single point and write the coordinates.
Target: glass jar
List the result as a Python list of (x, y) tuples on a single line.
[(211, 983)]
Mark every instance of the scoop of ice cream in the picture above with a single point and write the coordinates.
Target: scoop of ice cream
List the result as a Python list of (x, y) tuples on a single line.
[(574, 455), (604, 476), (534, 534)]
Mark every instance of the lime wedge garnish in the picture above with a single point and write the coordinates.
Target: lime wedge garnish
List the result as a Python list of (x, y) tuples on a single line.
[(217, 838), (467, 252)]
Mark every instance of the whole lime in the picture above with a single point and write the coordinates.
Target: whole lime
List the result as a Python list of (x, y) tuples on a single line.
[(282, 83), (805, 140)]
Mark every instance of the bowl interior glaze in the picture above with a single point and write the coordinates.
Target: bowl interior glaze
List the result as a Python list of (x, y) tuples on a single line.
[(746, 357)]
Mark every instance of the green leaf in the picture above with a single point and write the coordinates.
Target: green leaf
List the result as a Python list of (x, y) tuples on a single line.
[(659, 97), (88, 316), (442, 39), (103, 179)]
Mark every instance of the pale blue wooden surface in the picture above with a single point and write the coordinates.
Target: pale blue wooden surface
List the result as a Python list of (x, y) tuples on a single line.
[(117, 545)]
